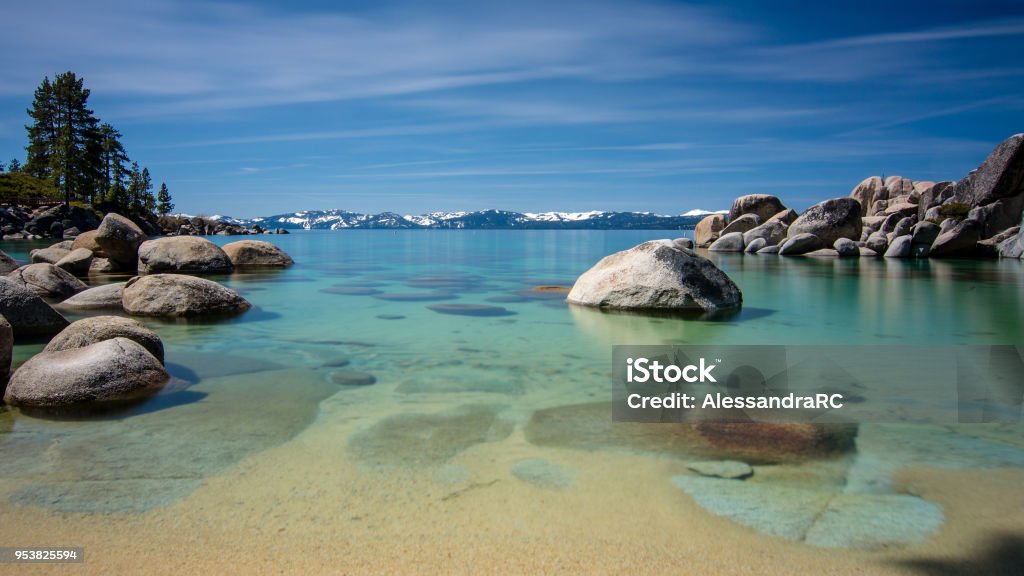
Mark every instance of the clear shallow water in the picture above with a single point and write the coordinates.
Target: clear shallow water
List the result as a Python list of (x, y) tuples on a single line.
[(449, 384)]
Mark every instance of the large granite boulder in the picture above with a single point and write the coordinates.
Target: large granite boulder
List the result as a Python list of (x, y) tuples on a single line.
[(120, 238), (89, 331), (846, 248), (106, 297), (801, 244), (755, 245), (830, 220), (931, 197), (257, 253), (899, 248), (49, 255), (76, 262), (865, 192), (922, 236), (764, 206), (959, 241), (188, 254), (87, 240), (1000, 176), (788, 216), (741, 224), (174, 295), (7, 264), (772, 232), (656, 276), (999, 215), (26, 312), (47, 280), (708, 230), (107, 371), (731, 242)]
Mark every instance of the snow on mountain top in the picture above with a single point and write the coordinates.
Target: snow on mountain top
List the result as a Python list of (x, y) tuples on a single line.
[(699, 212)]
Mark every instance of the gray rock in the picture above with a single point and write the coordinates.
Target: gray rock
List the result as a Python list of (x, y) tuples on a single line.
[(174, 295), (1012, 247), (7, 264), (754, 245), (948, 224), (901, 208), (930, 197), (656, 275), (933, 214), (48, 255), (708, 230), (186, 254), (864, 193), (120, 238), (102, 266), (924, 233), (896, 186), (89, 331), (6, 350), (846, 248), (768, 250), (999, 215), (741, 224), (830, 220), (990, 247), (87, 240), (877, 242), (871, 224), (959, 241), (787, 217), (889, 224), (904, 225), (823, 253), (868, 253), (1000, 176), (26, 312), (900, 247), (728, 469), (684, 243), (77, 262), (256, 253), (111, 370), (47, 280), (764, 206), (800, 244), (63, 245), (878, 207), (731, 242), (772, 231), (106, 297)]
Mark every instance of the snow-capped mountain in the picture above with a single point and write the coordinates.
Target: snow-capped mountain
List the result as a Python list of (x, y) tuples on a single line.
[(484, 219)]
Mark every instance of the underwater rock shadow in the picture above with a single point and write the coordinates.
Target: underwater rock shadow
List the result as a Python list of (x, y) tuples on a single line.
[(1004, 555), (163, 400), (254, 314)]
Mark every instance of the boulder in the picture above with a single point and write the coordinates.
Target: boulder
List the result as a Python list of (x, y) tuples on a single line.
[(899, 248), (106, 297), (87, 240), (999, 215), (732, 242), (755, 245), (7, 264), (896, 186), (708, 230), (742, 224), (823, 253), (959, 241), (878, 207), (26, 312), (889, 224), (877, 242), (120, 238), (989, 247), (868, 253), (102, 266), (934, 214), (787, 216), (871, 224), (923, 234), (656, 275), (174, 295), (830, 220), (63, 245), (772, 232), (930, 197), (846, 248), (47, 280), (901, 208), (49, 255), (188, 254), (1012, 247), (680, 242), (903, 226), (1000, 176), (764, 206), (257, 253), (89, 331), (107, 371), (768, 250), (77, 262), (864, 193), (6, 350), (800, 244)]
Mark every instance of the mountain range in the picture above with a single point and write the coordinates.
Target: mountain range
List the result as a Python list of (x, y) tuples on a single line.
[(480, 220)]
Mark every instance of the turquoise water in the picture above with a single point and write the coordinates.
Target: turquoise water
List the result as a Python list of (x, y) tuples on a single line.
[(357, 303)]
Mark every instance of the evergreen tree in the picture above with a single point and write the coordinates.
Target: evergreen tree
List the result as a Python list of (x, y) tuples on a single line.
[(163, 199), (14, 166), (113, 157), (64, 138), (2, 167)]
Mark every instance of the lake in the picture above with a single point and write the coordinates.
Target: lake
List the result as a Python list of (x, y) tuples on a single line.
[(347, 423)]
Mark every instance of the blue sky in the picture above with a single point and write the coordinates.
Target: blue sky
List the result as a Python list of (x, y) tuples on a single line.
[(263, 107)]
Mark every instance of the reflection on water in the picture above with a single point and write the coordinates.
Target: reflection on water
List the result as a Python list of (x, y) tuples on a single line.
[(464, 383)]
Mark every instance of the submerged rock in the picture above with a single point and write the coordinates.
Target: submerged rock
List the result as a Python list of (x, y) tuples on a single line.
[(111, 370), (180, 295), (47, 280), (353, 378), (257, 253), (470, 310), (728, 469), (89, 331), (656, 275), (188, 254), (26, 312)]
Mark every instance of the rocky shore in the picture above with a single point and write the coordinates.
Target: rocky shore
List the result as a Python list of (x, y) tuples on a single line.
[(110, 359)]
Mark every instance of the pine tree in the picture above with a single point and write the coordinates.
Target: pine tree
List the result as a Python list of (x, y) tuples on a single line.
[(113, 157), (14, 166), (64, 138), (163, 199)]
